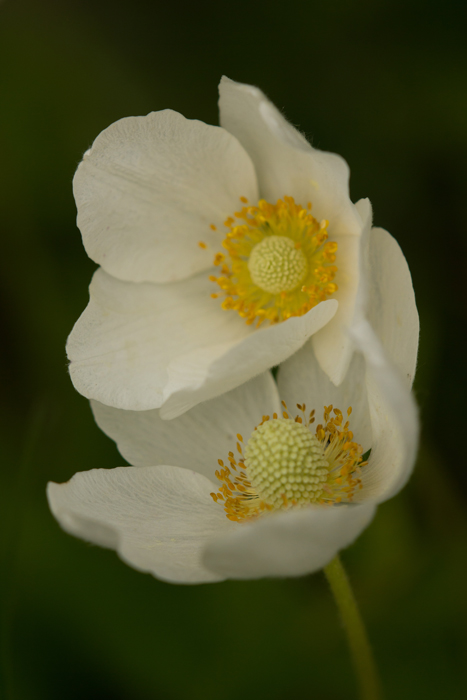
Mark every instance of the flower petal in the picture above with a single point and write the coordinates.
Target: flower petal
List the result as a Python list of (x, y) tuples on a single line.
[(262, 349), (333, 345), (140, 346), (157, 518), (389, 342), (285, 163), (197, 439), (293, 543), (150, 187), (301, 380), (392, 310), (394, 421)]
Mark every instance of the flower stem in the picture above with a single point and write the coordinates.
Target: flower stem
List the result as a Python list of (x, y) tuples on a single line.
[(362, 656)]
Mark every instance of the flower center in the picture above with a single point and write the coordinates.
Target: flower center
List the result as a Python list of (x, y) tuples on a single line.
[(277, 262), (286, 465), (277, 265), (284, 457)]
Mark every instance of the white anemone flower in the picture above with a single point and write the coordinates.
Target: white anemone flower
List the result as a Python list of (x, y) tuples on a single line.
[(242, 489), (222, 251)]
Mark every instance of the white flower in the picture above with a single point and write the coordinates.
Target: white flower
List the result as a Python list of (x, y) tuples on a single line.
[(301, 495), (156, 197)]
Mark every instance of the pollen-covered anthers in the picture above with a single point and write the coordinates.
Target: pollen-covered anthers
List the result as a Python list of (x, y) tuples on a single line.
[(343, 454), (277, 262), (286, 465), (240, 500)]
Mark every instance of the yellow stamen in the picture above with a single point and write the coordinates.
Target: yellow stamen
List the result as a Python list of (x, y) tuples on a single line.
[(286, 465), (277, 261)]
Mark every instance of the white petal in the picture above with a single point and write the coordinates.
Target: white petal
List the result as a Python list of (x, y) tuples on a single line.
[(197, 439), (285, 163), (389, 342), (139, 346), (333, 345), (290, 543), (394, 421), (301, 380), (157, 518), (260, 350), (149, 189), (122, 347), (392, 311)]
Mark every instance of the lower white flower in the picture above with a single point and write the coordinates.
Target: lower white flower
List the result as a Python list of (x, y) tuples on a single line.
[(294, 495)]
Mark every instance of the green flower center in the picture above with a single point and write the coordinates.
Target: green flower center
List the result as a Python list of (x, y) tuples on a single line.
[(283, 457), (277, 265)]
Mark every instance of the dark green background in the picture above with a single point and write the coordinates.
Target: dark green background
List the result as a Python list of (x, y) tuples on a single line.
[(385, 85)]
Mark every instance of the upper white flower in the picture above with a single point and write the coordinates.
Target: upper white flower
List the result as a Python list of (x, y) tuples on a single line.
[(160, 199), (291, 496)]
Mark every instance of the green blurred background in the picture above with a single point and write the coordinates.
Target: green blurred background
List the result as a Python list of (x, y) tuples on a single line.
[(385, 85)]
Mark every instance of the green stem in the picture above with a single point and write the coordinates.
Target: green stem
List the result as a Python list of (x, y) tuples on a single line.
[(362, 656)]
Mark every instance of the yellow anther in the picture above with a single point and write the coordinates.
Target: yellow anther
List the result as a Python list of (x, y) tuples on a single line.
[(277, 262), (286, 466)]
